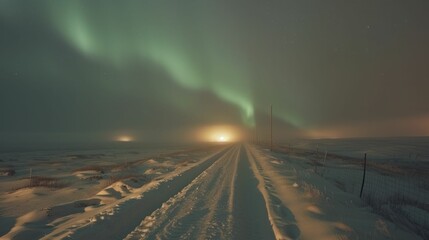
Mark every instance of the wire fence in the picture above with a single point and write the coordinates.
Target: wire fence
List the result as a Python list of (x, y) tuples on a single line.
[(396, 188)]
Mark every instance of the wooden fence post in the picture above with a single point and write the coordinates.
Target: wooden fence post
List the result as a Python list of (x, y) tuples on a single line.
[(363, 179), (31, 177)]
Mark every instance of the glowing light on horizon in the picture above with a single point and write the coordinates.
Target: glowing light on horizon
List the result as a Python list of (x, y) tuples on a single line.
[(223, 138), (221, 133), (124, 139)]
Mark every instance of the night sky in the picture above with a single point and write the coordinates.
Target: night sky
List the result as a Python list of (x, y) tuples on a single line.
[(162, 70)]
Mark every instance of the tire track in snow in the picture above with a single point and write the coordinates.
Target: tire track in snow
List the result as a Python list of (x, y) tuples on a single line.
[(282, 219), (221, 203), (289, 210), (250, 215), (129, 211)]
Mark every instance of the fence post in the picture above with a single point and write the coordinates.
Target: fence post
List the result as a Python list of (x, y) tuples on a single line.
[(324, 159), (31, 177), (363, 179), (324, 163), (271, 126)]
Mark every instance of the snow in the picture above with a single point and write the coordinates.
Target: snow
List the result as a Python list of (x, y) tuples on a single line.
[(231, 191)]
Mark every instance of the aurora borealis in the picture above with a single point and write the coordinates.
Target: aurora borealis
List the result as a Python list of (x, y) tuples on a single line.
[(158, 69)]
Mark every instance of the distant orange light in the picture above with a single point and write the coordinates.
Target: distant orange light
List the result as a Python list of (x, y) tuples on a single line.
[(124, 139), (222, 139), (219, 133)]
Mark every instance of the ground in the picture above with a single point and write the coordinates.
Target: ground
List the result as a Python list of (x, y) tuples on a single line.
[(229, 191)]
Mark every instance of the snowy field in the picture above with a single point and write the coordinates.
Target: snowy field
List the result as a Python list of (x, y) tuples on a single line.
[(397, 177), (231, 191)]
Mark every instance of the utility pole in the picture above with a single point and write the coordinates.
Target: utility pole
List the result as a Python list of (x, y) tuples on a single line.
[(271, 124)]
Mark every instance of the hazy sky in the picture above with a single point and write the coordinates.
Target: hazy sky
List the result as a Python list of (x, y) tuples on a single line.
[(161, 69)]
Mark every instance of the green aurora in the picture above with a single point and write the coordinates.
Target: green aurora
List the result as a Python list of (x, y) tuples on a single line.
[(160, 32)]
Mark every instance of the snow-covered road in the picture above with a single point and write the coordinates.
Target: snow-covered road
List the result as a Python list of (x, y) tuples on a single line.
[(218, 198)]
